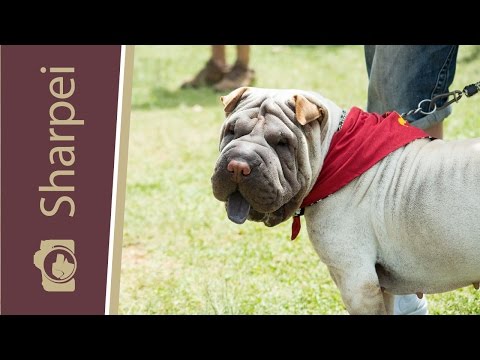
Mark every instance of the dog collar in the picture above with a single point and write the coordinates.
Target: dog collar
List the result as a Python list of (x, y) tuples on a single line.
[(299, 212), (342, 120), (362, 140)]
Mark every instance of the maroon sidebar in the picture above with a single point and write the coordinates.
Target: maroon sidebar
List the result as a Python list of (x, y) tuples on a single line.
[(58, 126)]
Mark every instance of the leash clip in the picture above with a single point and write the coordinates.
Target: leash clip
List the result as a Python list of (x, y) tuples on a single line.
[(457, 95), (468, 91)]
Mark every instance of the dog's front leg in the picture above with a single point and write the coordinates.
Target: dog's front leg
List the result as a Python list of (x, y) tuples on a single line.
[(361, 292)]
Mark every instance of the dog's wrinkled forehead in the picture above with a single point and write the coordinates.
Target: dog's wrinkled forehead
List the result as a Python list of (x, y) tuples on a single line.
[(265, 98), (295, 104)]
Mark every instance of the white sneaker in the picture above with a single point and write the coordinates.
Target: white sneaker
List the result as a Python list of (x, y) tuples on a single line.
[(410, 305)]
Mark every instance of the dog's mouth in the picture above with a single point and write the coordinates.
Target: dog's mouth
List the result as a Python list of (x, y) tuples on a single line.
[(238, 208)]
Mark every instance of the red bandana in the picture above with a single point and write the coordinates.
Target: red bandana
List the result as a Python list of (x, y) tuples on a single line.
[(364, 139)]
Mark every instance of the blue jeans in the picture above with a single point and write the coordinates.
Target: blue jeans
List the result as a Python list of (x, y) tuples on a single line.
[(403, 75)]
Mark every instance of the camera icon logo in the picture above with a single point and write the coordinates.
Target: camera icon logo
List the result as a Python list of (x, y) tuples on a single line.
[(56, 260)]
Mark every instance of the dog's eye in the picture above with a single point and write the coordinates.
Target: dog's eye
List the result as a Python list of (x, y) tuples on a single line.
[(282, 142), (230, 130)]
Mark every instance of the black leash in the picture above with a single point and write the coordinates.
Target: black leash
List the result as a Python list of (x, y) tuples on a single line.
[(468, 91)]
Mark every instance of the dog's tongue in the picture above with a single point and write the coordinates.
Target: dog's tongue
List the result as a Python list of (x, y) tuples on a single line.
[(237, 208)]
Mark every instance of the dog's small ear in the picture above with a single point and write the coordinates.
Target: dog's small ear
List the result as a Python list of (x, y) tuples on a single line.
[(231, 100), (306, 111)]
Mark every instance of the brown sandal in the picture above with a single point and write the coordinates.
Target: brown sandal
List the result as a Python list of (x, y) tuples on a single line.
[(208, 76)]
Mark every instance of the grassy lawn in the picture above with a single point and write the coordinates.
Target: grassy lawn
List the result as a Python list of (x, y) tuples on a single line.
[(181, 254)]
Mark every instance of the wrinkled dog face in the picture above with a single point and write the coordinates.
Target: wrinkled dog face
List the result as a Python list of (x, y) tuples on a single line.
[(263, 171)]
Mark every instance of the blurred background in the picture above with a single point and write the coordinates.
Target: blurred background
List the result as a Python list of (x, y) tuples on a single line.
[(181, 254)]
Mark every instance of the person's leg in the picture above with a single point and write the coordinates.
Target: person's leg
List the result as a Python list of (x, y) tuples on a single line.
[(218, 55), (403, 75), (243, 55), (212, 72), (436, 131), (240, 74), (400, 76)]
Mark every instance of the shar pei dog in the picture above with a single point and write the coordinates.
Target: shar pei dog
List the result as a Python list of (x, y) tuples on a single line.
[(388, 209)]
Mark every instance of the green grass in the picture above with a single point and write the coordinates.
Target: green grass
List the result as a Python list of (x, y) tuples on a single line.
[(181, 254)]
